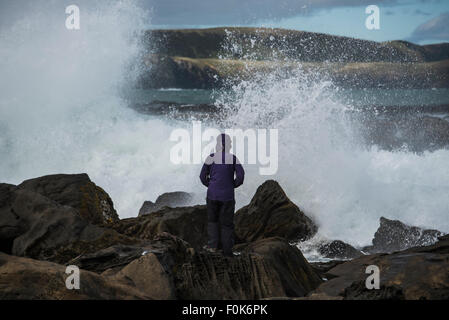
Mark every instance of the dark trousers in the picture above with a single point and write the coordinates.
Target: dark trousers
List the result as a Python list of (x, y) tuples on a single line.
[(220, 226)]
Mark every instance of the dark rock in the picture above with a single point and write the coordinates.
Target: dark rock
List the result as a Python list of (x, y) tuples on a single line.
[(169, 199), (322, 268), (338, 249), (412, 274), (11, 225), (110, 258), (319, 296), (78, 192), (188, 223), (266, 268), (146, 208), (358, 291), (135, 258), (296, 274), (440, 247), (271, 213), (28, 279), (34, 226), (393, 235), (147, 275)]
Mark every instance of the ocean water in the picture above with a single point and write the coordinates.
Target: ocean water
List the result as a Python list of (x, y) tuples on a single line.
[(353, 97), (64, 108)]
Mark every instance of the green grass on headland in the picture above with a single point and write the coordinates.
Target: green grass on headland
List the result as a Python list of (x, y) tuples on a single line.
[(184, 72)]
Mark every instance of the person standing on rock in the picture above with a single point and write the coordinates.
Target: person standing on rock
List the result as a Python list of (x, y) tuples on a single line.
[(221, 174)]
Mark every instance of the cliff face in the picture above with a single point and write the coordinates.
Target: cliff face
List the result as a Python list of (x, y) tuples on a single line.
[(210, 58), (175, 72), (276, 44)]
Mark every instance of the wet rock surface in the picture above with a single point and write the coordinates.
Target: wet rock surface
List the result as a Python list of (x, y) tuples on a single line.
[(76, 191), (338, 249), (271, 213), (160, 255), (35, 226), (24, 278), (414, 274), (188, 223), (169, 199), (394, 235)]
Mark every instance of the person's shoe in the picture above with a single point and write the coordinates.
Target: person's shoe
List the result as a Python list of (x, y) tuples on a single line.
[(228, 254), (210, 249)]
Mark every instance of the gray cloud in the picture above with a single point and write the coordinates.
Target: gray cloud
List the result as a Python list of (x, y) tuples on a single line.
[(434, 29), (215, 12)]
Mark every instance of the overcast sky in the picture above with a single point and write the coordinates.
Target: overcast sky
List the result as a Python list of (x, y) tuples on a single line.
[(419, 21)]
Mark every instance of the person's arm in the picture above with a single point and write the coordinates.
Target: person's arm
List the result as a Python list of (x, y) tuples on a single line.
[(239, 173), (205, 173)]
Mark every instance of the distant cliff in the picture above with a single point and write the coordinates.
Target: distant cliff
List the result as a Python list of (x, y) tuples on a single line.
[(207, 58)]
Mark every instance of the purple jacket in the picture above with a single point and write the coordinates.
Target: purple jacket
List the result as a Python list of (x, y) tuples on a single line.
[(217, 174)]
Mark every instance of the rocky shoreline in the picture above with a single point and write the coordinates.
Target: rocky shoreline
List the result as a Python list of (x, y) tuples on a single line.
[(51, 222)]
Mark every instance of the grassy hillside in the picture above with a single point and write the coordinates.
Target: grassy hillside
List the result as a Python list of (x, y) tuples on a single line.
[(281, 44), (184, 72), (207, 58)]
